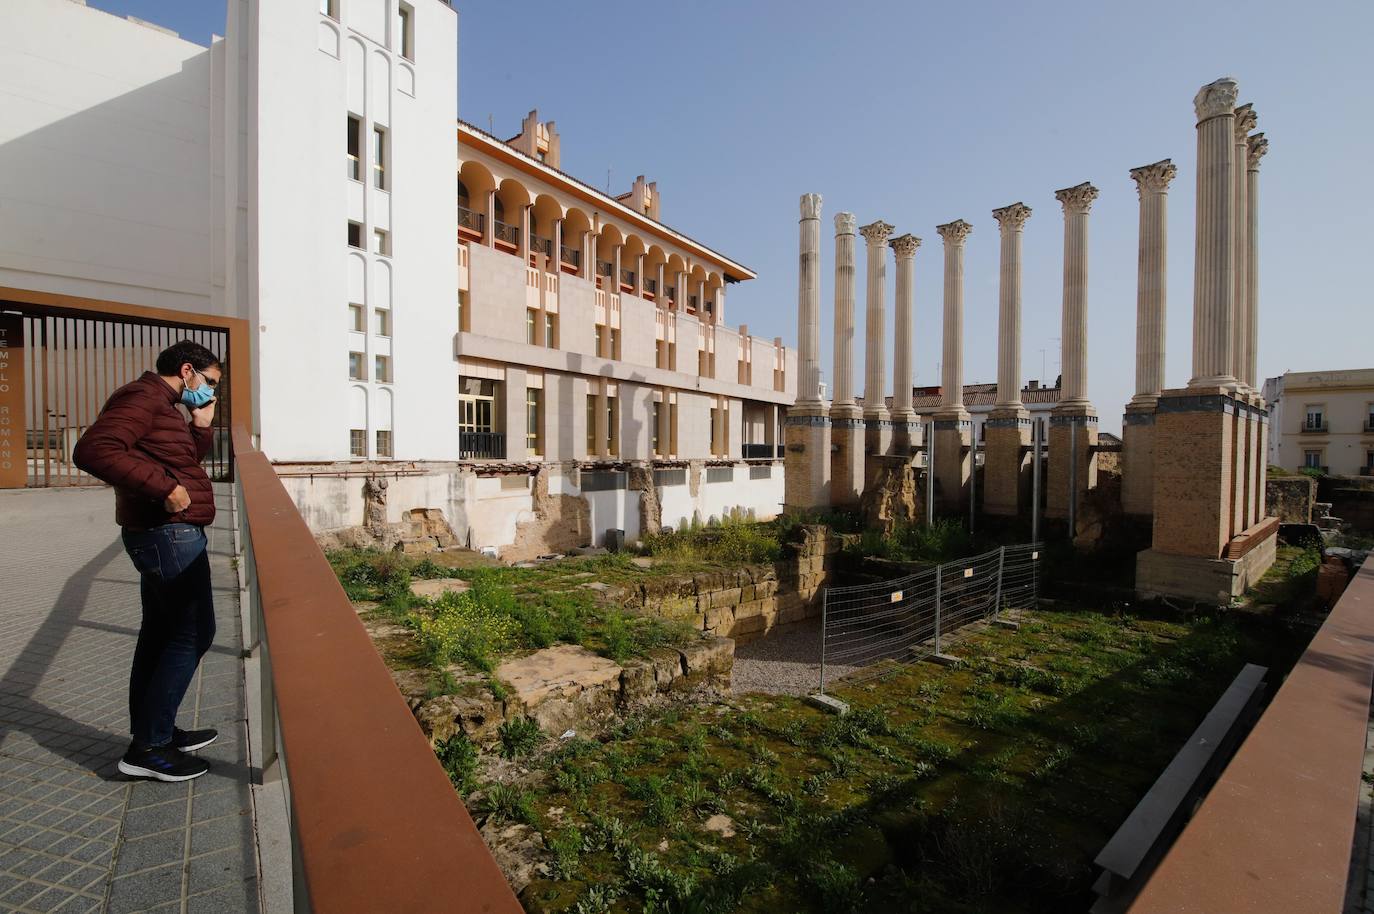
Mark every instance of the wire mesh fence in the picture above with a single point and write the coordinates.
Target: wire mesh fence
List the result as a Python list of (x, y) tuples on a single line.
[(905, 619)]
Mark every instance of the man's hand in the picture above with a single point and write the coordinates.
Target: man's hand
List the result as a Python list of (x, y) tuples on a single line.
[(177, 501), (205, 416)]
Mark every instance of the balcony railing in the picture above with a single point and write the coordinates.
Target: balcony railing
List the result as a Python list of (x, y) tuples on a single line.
[(1315, 427), (378, 830), (471, 219), (627, 278), (761, 451), (651, 285), (481, 446), (541, 245), (605, 268), (506, 232), (571, 256)]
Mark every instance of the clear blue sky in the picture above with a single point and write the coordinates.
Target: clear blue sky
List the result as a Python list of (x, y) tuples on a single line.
[(921, 113)]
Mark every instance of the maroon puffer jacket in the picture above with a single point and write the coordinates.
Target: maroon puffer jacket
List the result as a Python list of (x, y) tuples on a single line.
[(144, 447)]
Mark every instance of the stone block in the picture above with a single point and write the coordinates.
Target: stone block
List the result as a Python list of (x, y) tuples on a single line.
[(714, 620), (1290, 498), (667, 664), (637, 682), (1193, 494), (1137, 463), (847, 463), (1083, 438), (806, 468), (479, 717), (709, 660), (730, 597), (1007, 465)]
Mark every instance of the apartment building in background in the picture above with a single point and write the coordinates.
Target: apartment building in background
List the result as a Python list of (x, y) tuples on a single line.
[(1322, 420), (426, 304)]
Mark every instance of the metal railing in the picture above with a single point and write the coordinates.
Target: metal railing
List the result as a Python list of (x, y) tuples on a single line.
[(481, 446), (571, 256), (605, 268), (541, 244), (627, 278), (1316, 427), (761, 451), (379, 829), (471, 219), (650, 285), (906, 619), (504, 231)]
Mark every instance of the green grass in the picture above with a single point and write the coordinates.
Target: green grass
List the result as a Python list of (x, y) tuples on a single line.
[(984, 788)]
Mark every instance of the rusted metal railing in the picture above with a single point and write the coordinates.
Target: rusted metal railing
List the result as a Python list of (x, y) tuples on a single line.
[(375, 824)]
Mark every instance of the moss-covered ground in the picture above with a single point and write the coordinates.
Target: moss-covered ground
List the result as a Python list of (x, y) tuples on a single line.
[(984, 788)]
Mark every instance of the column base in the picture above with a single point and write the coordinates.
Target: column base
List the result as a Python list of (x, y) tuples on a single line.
[(1195, 491), (806, 461), (1137, 459), (877, 443), (1215, 581), (1073, 434), (1007, 464), (906, 435), (846, 459), (952, 463)]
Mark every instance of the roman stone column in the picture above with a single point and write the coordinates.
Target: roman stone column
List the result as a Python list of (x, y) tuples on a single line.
[(1073, 423), (846, 419), (953, 430), (877, 419), (903, 416), (1256, 147), (807, 470), (1214, 257), (1137, 474), (1199, 511), (1007, 465), (1245, 120)]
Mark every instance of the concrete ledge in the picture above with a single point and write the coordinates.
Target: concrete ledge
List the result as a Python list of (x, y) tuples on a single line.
[(944, 659), (1190, 577)]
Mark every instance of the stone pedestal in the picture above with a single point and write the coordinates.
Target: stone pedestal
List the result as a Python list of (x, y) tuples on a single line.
[(1007, 463), (906, 437), (877, 444), (806, 481), (1073, 435), (847, 457), (1137, 460), (953, 435)]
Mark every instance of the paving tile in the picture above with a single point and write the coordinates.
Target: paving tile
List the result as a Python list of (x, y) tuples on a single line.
[(145, 890), (226, 899), (217, 834), (157, 818), (151, 851)]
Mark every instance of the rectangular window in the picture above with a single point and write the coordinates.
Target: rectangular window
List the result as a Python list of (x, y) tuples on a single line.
[(329, 8), (381, 242), (531, 325), (1369, 420), (383, 443), (405, 28), (383, 325), (672, 357), (604, 481), (383, 363), (600, 351), (1312, 458), (612, 426), (355, 148), (355, 366), (715, 445), (357, 442), (661, 354), (550, 331), (720, 474), (653, 429), (615, 344), (534, 437), (761, 472), (355, 234), (591, 425), (1314, 418), (355, 318), (464, 312), (671, 477), (672, 429), (379, 157), (1369, 459)]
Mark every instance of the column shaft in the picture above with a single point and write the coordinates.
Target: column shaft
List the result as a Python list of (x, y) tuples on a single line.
[(808, 303), (1240, 332), (1152, 185), (843, 380), (952, 355), (905, 248), (1256, 147), (875, 369), (1214, 257), (1012, 220), (1077, 202)]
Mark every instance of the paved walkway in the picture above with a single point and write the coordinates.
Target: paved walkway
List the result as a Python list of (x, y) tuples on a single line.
[(75, 836)]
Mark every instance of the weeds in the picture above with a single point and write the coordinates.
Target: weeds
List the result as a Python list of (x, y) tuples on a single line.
[(507, 802), (459, 757), (519, 737)]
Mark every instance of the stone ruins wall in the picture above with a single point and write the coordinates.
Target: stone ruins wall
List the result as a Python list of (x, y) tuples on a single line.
[(1290, 498)]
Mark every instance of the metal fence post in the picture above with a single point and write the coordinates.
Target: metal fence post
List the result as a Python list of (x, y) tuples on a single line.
[(939, 573), (1001, 564), (825, 605)]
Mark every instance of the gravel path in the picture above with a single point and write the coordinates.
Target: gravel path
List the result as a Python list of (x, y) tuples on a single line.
[(787, 662)]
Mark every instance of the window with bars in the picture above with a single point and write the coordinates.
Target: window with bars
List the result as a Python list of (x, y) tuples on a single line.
[(720, 474), (534, 408), (357, 442), (604, 480), (383, 443), (675, 476)]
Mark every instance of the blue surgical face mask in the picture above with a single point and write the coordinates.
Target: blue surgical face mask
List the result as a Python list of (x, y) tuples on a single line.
[(198, 397)]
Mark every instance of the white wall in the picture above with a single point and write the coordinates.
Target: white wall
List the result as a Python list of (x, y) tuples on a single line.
[(106, 180)]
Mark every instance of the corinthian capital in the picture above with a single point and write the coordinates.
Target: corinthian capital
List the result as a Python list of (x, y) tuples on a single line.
[(1255, 148), (876, 233), (810, 206), (954, 232), (1012, 218), (1077, 199), (1154, 178), (844, 223), (1216, 99), (905, 246), (1246, 120)]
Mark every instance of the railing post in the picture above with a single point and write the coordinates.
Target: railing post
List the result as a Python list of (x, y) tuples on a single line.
[(1001, 566), (939, 574), (825, 612)]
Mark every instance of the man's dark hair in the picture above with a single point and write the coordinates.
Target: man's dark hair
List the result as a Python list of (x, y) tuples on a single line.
[(170, 360)]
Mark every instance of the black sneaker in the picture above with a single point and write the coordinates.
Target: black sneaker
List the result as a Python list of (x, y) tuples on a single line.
[(191, 740), (162, 763)]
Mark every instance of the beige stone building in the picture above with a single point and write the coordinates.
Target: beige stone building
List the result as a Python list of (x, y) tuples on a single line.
[(1322, 419)]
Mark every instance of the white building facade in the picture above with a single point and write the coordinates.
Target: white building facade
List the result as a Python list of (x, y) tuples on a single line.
[(301, 176), (1322, 420)]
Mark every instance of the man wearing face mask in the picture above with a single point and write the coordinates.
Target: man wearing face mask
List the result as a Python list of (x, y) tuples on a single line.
[(143, 446)]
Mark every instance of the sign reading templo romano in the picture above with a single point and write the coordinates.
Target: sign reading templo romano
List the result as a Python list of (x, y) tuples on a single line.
[(13, 460)]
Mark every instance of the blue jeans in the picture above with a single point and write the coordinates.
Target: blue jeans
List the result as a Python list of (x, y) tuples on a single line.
[(178, 625)]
